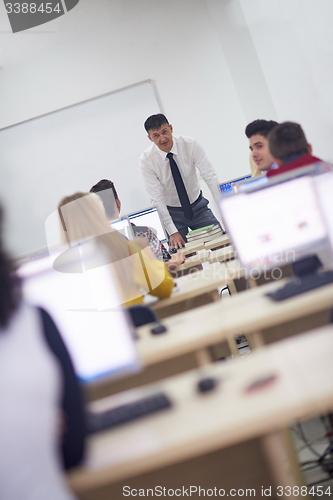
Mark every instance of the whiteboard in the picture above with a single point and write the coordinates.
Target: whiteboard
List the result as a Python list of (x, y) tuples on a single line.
[(52, 156)]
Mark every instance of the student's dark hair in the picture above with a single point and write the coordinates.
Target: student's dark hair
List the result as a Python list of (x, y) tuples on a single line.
[(287, 139), (261, 127), (155, 121), (107, 200), (9, 284), (104, 184)]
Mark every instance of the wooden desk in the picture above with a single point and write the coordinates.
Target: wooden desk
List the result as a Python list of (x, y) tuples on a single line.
[(193, 290), (195, 246), (225, 438), (249, 312), (191, 248), (218, 242), (220, 255)]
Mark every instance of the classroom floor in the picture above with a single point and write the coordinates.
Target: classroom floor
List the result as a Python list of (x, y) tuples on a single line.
[(311, 442)]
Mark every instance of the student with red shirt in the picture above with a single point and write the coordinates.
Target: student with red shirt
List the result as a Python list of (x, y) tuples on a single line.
[(289, 148)]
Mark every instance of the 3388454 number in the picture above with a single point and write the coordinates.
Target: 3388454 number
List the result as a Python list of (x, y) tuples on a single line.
[(32, 8), (303, 491)]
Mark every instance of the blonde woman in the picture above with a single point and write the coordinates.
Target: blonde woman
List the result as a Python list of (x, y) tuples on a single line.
[(133, 264)]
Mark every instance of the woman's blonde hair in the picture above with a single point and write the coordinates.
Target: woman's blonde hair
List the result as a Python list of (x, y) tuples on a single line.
[(254, 167), (82, 217)]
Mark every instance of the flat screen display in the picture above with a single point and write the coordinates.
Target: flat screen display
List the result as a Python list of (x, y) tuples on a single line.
[(149, 217), (275, 224), (228, 187), (124, 227), (324, 188), (86, 308)]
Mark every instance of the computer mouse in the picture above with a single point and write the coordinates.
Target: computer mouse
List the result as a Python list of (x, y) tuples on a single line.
[(158, 329), (207, 384)]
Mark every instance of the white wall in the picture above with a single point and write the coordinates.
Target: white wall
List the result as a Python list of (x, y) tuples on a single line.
[(125, 42), (294, 43), (217, 65), (176, 45)]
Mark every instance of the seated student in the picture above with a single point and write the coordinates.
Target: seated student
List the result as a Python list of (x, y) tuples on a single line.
[(42, 416), (289, 147), (134, 266), (257, 132), (112, 210)]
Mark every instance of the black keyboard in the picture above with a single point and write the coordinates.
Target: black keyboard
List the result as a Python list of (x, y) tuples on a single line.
[(302, 285), (97, 422)]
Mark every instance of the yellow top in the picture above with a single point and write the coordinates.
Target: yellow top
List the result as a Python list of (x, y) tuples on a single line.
[(150, 276)]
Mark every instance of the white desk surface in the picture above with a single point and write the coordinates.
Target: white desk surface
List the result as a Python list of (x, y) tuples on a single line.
[(194, 284), (221, 254), (222, 240), (195, 246), (191, 247), (198, 424), (218, 255), (245, 312)]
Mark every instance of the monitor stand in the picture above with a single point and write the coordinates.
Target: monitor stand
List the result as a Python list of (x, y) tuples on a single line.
[(305, 266)]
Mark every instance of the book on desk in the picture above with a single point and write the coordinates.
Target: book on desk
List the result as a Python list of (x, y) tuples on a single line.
[(204, 234)]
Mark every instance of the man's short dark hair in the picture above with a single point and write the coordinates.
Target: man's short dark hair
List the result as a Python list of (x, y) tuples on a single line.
[(287, 139), (107, 199), (261, 127), (155, 121)]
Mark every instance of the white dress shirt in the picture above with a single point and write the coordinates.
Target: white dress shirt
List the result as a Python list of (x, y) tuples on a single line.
[(160, 185)]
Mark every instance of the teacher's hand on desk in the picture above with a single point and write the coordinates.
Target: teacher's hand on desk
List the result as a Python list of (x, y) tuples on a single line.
[(176, 241)]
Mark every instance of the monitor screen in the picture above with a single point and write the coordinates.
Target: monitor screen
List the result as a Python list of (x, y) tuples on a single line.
[(324, 188), (85, 307), (251, 183), (258, 181), (149, 217), (275, 224), (228, 187), (124, 227)]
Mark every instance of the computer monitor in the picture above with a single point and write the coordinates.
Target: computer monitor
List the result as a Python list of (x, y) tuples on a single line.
[(324, 188), (251, 183), (258, 181), (275, 224), (229, 186), (86, 308), (124, 227), (151, 218)]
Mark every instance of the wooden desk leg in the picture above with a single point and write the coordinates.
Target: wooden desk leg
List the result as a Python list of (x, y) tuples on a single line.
[(203, 357), (255, 339), (215, 296), (231, 285), (253, 283), (283, 463), (233, 346)]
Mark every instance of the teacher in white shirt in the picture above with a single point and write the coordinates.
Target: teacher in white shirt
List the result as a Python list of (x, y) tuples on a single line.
[(169, 171)]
